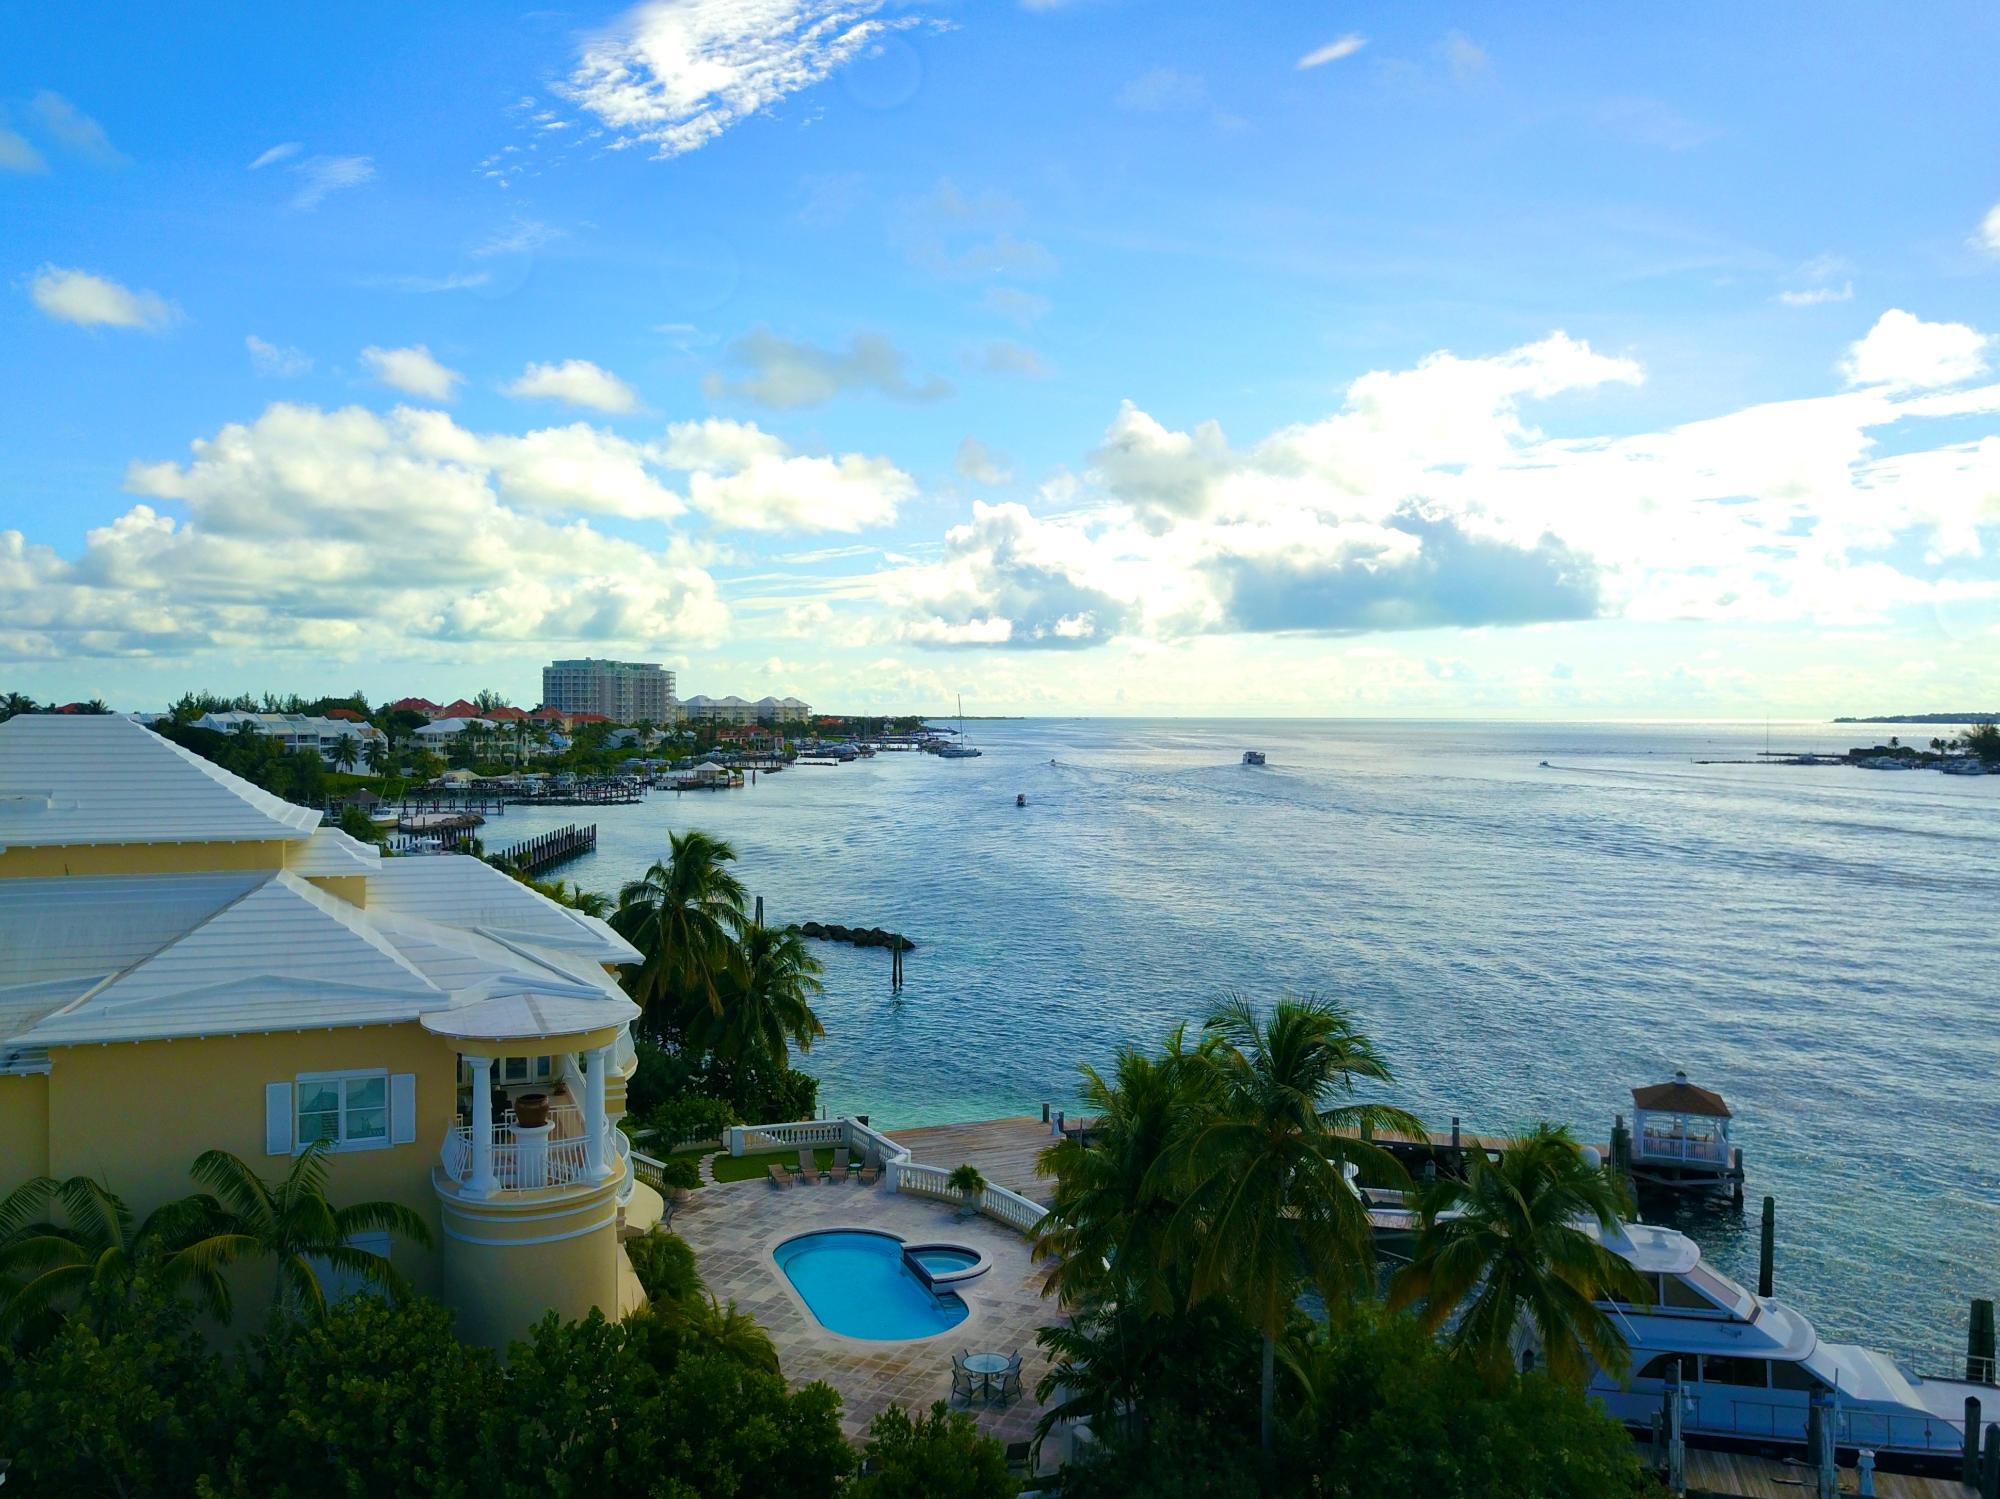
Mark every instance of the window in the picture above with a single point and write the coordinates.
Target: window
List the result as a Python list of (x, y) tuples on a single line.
[(1679, 1295), (1647, 1295), (350, 1110), (524, 1069), (1787, 1375), (1719, 1368), (1662, 1365)]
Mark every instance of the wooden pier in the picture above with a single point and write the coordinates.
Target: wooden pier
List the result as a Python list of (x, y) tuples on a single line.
[(1004, 1150), (1737, 1475), (551, 848)]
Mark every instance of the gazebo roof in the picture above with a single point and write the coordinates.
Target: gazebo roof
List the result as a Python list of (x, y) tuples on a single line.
[(1680, 1097)]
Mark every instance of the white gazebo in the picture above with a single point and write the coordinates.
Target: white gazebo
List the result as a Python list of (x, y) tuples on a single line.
[(1680, 1135)]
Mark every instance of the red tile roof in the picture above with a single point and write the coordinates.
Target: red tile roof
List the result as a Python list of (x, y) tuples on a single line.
[(458, 708), (414, 705), (504, 714), (347, 713)]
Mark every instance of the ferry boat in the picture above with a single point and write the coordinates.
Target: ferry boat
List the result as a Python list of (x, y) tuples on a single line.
[(1253, 757), (1751, 1366)]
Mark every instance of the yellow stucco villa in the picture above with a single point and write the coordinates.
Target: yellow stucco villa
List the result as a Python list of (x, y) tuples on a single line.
[(190, 963)]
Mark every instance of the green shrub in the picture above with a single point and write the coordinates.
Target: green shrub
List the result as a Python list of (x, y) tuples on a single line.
[(689, 1117), (680, 1172), (664, 1265), (938, 1455)]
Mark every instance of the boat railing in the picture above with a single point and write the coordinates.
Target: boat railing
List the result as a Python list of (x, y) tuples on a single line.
[(1716, 1413)]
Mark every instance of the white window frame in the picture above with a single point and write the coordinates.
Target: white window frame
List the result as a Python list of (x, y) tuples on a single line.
[(338, 1143)]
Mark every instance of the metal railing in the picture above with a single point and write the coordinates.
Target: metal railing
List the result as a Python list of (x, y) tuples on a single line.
[(531, 1164), (1664, 1146)]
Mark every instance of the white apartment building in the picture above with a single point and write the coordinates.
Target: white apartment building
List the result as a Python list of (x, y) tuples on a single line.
[(297, 730), (735, 710), (625, 692)]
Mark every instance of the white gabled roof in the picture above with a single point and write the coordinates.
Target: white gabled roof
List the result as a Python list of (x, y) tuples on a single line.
[(68, 780), (332, 852), (285, 956), (473, 895)]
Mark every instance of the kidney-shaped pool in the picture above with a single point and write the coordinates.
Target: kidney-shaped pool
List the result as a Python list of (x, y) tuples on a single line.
[(858, 1284)]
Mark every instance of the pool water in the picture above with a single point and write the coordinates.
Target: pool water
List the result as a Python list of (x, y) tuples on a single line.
[(857, 1285), (945, 1261)]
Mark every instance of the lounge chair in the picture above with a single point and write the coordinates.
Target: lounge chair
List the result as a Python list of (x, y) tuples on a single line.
[(780, 1177), (838, 1170), (807, 1172), (1021, 1458), (870, 1169)]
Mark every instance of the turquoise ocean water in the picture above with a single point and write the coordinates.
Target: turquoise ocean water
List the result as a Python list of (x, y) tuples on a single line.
[(1818, 944)]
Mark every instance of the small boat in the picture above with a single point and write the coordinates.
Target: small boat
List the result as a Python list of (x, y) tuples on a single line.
[(1546, 766), (1963, 765), (1020, 798), (1253, 757)]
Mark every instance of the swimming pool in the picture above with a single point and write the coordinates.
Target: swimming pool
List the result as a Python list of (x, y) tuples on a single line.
[(856, 1283)]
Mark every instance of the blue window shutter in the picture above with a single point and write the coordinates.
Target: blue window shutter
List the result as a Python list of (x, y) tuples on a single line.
[(278, 1118), (402, 1108)]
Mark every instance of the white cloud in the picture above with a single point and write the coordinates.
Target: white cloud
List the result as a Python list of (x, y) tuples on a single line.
[(522, 237), (1465, 57), (1902, 349), (575, 382), (74, 130), (424, 285), (283, 151), (1428, 499), (1334, 51), (1989, 229), (746, 478), (17, 153), (786, 373), (271, 359), (1003, 356), (322, 176), (74, 296), (280, 548), (676, 74), (413, 371), (981, 464)]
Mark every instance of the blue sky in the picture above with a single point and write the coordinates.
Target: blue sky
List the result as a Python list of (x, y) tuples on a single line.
[(1098, 356)]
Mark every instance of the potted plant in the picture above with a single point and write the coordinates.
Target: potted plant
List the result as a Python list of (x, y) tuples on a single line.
[(968, 1184), (680, 1176)]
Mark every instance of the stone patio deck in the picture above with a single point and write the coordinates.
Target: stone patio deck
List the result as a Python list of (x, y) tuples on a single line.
[(1004, 1150), (734, 1227)]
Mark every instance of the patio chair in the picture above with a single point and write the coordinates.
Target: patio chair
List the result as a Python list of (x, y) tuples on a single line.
[(838, 1170), (965, 1385), (870, 1169), (780, 1177), (807, 1172), (1010, 1381)]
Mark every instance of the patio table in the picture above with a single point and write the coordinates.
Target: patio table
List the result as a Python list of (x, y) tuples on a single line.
[(986, 1365)]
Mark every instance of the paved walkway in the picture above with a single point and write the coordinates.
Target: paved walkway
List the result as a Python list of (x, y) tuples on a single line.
[(734, 1227), (1004, 1150)]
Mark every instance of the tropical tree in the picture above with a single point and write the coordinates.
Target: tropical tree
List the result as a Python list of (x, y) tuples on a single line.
[(13, 704), (291, 1222), (767, 992), (683, 915), (94, 1257), (1983, 740), (1511, 1244), (376, 755), (1115, 1231), (345, 754), (1267, 1176)]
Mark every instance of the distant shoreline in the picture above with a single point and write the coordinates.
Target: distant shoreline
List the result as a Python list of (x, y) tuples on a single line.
[(1925, 718)]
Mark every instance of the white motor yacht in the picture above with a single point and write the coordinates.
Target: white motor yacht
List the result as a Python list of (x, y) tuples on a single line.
[(1750, 1364)]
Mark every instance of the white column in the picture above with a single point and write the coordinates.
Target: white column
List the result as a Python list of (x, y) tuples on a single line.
[(593, 1114), (481, 1183)]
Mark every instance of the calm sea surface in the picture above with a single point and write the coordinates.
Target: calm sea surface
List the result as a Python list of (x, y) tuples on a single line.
[(1818, 945)]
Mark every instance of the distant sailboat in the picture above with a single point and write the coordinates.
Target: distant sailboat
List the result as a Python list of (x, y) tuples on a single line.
[(958, 749)]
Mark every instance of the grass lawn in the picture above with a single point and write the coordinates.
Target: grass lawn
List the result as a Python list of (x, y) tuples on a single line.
[(742, 1168)]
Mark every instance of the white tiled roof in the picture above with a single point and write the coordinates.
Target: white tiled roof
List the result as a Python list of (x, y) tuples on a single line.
[(468, 893), (90, 778), (284, 957), (332, 852)]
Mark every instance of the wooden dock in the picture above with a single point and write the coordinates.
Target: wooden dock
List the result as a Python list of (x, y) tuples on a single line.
[(551, 848), (1004, 1150), (1736, 1475)]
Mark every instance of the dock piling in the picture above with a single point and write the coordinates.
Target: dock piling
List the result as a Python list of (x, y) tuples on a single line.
[(1979, 1344), (1767, 1241), (1989, 1468), (1968, 1463)]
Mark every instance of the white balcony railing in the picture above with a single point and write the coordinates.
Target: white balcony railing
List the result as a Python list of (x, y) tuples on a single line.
[(532, 1162)]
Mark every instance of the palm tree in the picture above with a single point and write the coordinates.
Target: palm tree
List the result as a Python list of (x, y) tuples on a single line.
[(1267, 1176), (344, 752), (1512, 1244), (376, 755), (1114, 1230), (94, 1256), (683, 914), (767, 994), (292, 1222)]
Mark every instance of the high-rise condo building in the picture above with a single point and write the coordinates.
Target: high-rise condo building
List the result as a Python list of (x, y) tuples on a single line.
[(623, 691)]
